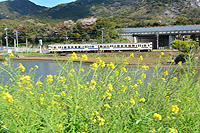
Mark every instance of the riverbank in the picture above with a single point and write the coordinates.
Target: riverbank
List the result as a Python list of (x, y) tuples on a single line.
[(148, 57)]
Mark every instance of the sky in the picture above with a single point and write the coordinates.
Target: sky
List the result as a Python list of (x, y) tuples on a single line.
[(48, 3)]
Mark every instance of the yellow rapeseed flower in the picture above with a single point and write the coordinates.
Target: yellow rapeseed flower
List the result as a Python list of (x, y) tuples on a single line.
[(175, 109), (70, 75), (156, 115), (132, 101), (132, 55), (101, 62), (63, 93), (128, 78), (93, 82), (142, 100), (139, 81), (5, 63), (74, 56), (149, 84), (196, 58), (36, 66), (10, 79), (124, 69), (162, 53), (171, 130), (145, 67), (94, 66), (166, 72), (8, 97), (107, 106), (143, 76), (50, 78), (111, 65), (124, 88), (135, 86), (141, 58), (94, 120), (110, 87), (175, 79), (72, 70), (11, 55), (84, 57), (82, 70), (21, 67), (180, 63)]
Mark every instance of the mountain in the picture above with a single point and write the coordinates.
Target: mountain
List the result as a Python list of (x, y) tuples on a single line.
[(13, 9), (132, 9), (126, 11)]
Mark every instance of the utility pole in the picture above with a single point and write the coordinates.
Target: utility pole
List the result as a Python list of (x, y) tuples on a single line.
[(66, 37), (157, 35), (1, 45), (15, 45), (6, 38), (17, 38), (26, 46), (102, 34)]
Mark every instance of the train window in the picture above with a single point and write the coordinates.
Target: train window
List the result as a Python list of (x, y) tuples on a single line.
[(118, 45), (121, 45), (148, 45), (125, 45), (92, 46), (79, 46), (129, 45), (64, 46), (68, 46), (54, 47), (101, 46), (145, 45)]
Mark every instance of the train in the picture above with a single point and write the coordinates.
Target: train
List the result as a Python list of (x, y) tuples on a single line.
[(94, 47)]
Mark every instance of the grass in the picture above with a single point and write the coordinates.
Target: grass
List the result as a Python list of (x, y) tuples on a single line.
[(149, 57), (103, 98)]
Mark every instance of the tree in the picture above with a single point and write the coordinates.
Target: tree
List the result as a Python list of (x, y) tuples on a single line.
[(184, 46)]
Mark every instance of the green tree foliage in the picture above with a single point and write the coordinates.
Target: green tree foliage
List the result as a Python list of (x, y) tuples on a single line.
[(181, 20), (184, 46)]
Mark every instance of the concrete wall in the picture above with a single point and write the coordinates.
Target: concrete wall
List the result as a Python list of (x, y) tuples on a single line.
[(164, 40), (129, 37)]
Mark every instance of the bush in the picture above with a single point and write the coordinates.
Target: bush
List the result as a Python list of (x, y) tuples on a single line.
[(184, 46), (101, 99)]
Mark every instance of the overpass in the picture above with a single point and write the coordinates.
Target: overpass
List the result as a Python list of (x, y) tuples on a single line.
[(161, 36)]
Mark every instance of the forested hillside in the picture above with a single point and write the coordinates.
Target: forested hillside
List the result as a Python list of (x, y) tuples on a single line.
[(13, 9), (163, 10)]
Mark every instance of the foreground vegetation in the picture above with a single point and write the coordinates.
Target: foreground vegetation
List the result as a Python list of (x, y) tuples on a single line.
[(102, 98)]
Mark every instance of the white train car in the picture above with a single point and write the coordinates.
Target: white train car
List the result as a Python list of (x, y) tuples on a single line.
[(126, 47), (100, 47)]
